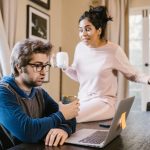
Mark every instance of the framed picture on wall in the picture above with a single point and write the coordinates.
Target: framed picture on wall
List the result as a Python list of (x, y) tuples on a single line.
[(38, 24), (38, 27), (43, 3)]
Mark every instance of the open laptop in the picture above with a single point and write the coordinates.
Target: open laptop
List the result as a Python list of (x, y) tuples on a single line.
[(100, 138)]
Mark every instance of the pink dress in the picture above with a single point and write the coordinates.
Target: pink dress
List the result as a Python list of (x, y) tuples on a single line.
[(96, 71)]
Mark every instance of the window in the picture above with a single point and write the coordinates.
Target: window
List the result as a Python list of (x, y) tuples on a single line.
[(139, 51)]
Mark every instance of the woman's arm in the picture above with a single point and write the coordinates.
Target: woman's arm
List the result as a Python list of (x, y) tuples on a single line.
[(123, 65), (71, 72)]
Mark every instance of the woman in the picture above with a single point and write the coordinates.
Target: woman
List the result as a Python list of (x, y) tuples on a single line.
[(95, 66)]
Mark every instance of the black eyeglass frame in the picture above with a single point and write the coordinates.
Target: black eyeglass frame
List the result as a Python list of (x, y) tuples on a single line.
[(39, 67)]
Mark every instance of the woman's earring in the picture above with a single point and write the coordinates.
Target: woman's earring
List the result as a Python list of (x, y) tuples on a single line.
[(100, 31)]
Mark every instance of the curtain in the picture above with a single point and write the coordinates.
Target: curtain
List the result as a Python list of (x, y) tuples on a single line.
[(8, 19), (4, 50), (118, 32)]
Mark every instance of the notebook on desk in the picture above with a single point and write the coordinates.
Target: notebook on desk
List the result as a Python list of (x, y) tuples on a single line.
[(100, 138)]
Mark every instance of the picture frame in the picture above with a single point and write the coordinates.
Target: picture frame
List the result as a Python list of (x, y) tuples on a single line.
[(38, 27), (38, 24), (43, 3)]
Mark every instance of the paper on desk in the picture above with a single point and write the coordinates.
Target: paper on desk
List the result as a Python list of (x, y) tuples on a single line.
[(123, 120)]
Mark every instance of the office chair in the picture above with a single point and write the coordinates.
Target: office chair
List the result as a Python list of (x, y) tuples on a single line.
[(1, 145), (6, 141)]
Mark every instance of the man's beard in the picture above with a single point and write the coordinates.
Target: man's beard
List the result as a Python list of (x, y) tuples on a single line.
[(30, 84)]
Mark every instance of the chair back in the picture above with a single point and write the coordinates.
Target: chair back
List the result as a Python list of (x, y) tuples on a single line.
[(6, 141)]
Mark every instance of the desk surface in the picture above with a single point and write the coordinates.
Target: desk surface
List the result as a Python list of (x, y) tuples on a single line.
[(136, 136)]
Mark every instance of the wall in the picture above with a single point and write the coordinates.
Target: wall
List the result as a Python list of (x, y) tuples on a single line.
[(71, 11), (55, 33), (139, 3)]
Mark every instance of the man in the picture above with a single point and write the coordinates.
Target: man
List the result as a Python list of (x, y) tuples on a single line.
[(26, 110)]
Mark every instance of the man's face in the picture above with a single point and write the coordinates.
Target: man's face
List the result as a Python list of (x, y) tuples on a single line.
[(34, 73)]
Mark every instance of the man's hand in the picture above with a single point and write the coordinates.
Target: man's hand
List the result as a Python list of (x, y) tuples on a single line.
[(70, 110), (56, 137)]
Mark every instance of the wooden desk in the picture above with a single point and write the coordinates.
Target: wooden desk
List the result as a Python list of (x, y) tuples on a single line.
[(136, 136)]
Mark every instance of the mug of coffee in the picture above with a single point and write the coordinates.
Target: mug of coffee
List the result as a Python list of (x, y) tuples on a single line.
[(62, 60), (68, 99)]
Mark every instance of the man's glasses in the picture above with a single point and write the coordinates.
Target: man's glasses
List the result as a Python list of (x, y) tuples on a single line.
[(40, 67)]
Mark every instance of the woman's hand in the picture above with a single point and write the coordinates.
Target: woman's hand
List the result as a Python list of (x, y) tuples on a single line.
[(53, 60), (60, 60), (56, 137)]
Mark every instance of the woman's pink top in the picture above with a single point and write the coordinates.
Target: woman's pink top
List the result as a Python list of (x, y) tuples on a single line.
[(96, 71)]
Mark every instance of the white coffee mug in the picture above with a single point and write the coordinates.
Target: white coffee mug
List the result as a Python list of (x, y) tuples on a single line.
[(62, 60)]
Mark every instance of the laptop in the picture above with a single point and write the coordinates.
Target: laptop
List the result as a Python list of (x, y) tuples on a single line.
[(100, 138)]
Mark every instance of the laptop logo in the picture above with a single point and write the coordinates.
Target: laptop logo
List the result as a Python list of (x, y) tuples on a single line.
[(123, 120)]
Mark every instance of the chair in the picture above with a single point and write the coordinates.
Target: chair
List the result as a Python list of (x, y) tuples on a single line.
[(6, 141), (1, 145)]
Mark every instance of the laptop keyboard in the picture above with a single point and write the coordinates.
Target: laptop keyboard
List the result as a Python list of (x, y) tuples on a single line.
[(95, 138)]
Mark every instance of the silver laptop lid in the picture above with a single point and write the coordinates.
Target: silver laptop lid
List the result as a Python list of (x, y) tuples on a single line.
[(123, 107), (122, 111)]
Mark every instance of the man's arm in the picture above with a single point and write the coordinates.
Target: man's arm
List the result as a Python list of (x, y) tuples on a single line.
[(20, 125), (67, 125)]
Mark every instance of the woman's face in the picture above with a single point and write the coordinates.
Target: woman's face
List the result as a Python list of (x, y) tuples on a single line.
[(88, 33)]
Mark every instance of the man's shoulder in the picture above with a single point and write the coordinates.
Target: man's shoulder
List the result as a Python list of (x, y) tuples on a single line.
[(6, 87), (2, 83), (6, 81)]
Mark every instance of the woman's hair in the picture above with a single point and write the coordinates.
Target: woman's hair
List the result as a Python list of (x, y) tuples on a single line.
[(23, 51), (98, 16)]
